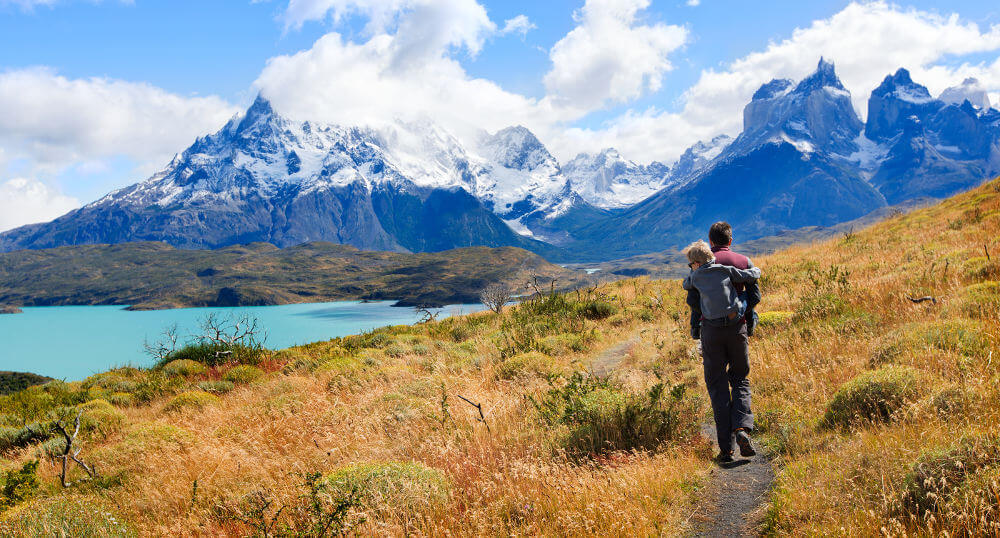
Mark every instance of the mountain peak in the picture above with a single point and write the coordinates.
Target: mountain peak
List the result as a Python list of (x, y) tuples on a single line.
[(900, 86), (825, 76), (260, 109), (517, 147), (969, 90)]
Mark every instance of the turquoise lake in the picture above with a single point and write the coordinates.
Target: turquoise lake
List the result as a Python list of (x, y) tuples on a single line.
[(73, 342)]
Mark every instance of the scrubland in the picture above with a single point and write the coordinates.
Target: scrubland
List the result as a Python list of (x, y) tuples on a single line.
[(881, 412)]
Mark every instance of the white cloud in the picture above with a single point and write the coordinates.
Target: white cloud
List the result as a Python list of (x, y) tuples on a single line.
[(520, 24), (609, 56), (867, 41), (421, 26), (25, 201), (53, 121), (693, 3)]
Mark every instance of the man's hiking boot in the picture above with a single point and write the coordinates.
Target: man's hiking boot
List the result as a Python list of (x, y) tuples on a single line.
[(746, 446), (724, 458)]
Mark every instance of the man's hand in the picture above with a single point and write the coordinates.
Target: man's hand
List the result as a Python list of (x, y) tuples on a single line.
[(696, 333)]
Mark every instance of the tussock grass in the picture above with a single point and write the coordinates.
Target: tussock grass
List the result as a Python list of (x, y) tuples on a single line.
[(911, 390)]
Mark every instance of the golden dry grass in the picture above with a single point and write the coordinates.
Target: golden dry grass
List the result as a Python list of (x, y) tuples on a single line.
[(837, 309)]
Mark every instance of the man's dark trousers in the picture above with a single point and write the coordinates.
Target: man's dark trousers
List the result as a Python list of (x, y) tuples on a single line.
[(726, 359)]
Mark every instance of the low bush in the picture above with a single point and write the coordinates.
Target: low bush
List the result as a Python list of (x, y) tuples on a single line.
[(243, 374), (122, 399), (874, 396), (775, 319), (195, 399), (530, 364), (601, 416), (183, 367), (982, 299), (18, 485), (216, 387), (392, 488), (12, 437), (65, 516), (937, 474), (957, 336), (596, 309), (100, 419)]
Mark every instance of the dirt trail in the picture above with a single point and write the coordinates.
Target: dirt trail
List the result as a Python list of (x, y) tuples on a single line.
[(735, 493)]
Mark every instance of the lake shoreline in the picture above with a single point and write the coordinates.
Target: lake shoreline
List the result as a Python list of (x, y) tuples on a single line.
[(74, 342)]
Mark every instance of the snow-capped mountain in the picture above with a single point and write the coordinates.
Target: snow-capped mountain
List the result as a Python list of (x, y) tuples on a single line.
[(804, 158), (969, 90), (610, 181), (931, 147), (405, 186)]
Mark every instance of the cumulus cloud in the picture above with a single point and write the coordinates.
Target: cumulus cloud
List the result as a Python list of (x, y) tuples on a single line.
[(520, 24), (25, 201), (421, 26), (609, 56), (52, 121), (908, 38)]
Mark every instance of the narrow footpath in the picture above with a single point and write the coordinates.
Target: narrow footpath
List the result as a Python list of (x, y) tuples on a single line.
[(735, 495)]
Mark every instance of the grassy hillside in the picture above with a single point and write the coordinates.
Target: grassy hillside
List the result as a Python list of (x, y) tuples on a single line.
[(156, 275), (883, 412)]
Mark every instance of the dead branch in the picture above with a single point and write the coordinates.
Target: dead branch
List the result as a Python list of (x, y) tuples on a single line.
[(68, 452), (496, 296), (479, 407), (425, 315), (986, 249), (922, 299)]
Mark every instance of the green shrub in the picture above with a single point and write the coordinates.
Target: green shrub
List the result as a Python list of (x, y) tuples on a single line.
[(982, 299), (951, 401), (216, 354), (601, 416), (596, 309), (524, 365), (216, 387), (65, 516), (957, 336), (18, 485), (35, 403), (392, 487), (874, 396), (774, 319), (122, 399), (938, 473), (183, 367), (243, 374), (99, 418), (21, 436), (195, 399)]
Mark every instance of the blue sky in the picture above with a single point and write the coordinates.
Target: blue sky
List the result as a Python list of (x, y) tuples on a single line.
[(103, 92)]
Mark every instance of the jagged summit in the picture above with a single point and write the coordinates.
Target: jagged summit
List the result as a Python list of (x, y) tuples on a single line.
[(817, 112), (825, 76)]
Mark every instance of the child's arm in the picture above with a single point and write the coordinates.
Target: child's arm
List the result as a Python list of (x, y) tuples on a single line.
[(743, 276), (694, 301)]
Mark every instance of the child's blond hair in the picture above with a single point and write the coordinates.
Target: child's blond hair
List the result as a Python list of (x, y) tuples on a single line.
[(699, 252)]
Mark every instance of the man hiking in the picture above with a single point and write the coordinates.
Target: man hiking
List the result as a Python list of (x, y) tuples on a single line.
[(722, 290)]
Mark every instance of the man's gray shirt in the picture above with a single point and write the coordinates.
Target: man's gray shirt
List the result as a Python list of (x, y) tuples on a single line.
[(714, 283)]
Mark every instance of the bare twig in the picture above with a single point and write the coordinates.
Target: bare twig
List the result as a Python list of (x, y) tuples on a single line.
[(495, 296), (479, 407), (986, 249), (68, 452), (922, 299)]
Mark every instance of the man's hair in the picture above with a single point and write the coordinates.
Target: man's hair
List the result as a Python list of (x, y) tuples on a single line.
[(699, 252), (720, 234)]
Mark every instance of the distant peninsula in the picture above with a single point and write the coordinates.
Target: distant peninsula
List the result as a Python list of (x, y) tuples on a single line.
[(10, 310), (154, 275)]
